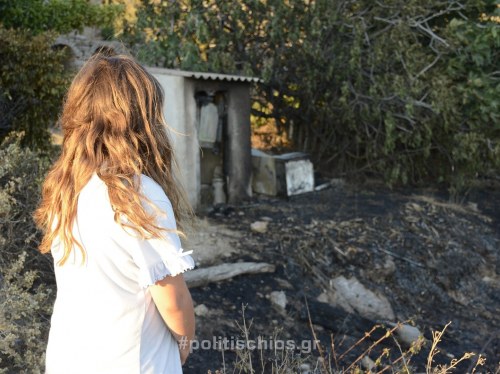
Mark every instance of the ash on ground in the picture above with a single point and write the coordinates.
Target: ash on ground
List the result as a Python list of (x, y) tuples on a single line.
[(349, 258)]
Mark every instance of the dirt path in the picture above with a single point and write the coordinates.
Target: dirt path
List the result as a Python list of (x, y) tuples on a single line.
[(433, 261)]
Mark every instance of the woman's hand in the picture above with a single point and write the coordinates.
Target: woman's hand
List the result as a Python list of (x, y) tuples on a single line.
[(184, 349)]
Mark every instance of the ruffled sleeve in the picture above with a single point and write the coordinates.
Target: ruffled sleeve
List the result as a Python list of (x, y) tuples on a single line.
[(157, 258)]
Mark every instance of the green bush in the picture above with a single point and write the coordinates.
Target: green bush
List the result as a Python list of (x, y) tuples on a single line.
[(27, 280), (474, 82), (25, 308), (21, 175), (62, 16), (33, 74), (32, 84)]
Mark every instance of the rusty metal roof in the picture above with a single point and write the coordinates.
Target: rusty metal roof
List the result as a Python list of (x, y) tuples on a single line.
[(205, 76)]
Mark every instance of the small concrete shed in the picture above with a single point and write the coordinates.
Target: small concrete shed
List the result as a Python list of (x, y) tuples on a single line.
[(208, 116)]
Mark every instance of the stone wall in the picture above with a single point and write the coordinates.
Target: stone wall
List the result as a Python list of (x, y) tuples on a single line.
[(84, 44)]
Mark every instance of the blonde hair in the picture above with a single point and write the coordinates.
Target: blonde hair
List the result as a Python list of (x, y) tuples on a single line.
[(113, 124)]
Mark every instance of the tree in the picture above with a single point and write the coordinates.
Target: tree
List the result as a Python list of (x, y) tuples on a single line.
[(33, 77), (378, 87)]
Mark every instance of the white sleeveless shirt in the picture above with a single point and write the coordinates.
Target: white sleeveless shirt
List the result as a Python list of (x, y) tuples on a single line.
[(104, 319)]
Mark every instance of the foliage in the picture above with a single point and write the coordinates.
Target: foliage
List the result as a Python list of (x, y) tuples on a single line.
[(21, 175), (30, 92), (474, 81), (33, 74), (403, 89), (24, 303), (61, 16), (24, 311)]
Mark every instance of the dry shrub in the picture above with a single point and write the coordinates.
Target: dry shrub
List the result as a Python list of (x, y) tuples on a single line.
[(25, 299), (21, 173), (24, 311)]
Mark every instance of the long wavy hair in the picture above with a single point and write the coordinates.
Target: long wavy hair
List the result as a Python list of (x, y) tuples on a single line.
[(113, 125)]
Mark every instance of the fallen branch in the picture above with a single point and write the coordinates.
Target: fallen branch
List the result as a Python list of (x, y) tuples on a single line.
[(410, 261), (201, 277)]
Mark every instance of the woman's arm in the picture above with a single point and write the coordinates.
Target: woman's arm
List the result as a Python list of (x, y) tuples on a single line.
[(173, 300)]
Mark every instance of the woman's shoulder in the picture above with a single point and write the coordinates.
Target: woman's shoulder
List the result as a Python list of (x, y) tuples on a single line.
[(152, 189), (148, 187), (94, 186)]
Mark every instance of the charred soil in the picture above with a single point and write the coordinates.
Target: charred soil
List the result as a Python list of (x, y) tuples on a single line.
[(436, 262)]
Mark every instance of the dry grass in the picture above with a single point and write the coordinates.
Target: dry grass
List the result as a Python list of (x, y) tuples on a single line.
[(458, 208), (327, 361)]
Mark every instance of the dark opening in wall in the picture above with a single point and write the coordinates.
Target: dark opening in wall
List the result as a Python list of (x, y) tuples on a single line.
[(69, 55), (211, 124)]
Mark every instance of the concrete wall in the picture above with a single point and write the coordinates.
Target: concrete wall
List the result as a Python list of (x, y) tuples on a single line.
[(180, 127)]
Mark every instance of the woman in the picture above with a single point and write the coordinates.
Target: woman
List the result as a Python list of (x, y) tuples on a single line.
[(109, 210)]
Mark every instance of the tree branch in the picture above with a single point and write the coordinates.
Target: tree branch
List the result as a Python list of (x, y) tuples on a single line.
[(421, 72)]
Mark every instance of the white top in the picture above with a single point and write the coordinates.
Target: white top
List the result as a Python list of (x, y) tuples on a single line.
[(104, 319)]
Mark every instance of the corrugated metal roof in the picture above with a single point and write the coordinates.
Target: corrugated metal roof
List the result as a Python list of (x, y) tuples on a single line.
[(205, 76)]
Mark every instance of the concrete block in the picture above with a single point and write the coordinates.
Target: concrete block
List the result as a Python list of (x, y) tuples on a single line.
[(287, 174), (299, 177), (264, 179)]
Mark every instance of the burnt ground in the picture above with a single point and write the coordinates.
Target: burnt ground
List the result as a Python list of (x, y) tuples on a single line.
[(435, 261)]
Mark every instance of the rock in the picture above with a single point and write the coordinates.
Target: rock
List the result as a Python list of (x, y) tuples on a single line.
[(368, 363), (259, 226), (323, 297), (283, 283), (385, 269), (336, 299), (406, 334), (201, 310), (352, 295), (318, 328), (305, 369), (278, 298), (459, 297), (492, 281), (390, 265)]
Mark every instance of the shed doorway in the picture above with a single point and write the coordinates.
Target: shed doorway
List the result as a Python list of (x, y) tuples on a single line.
[(211, 123)]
